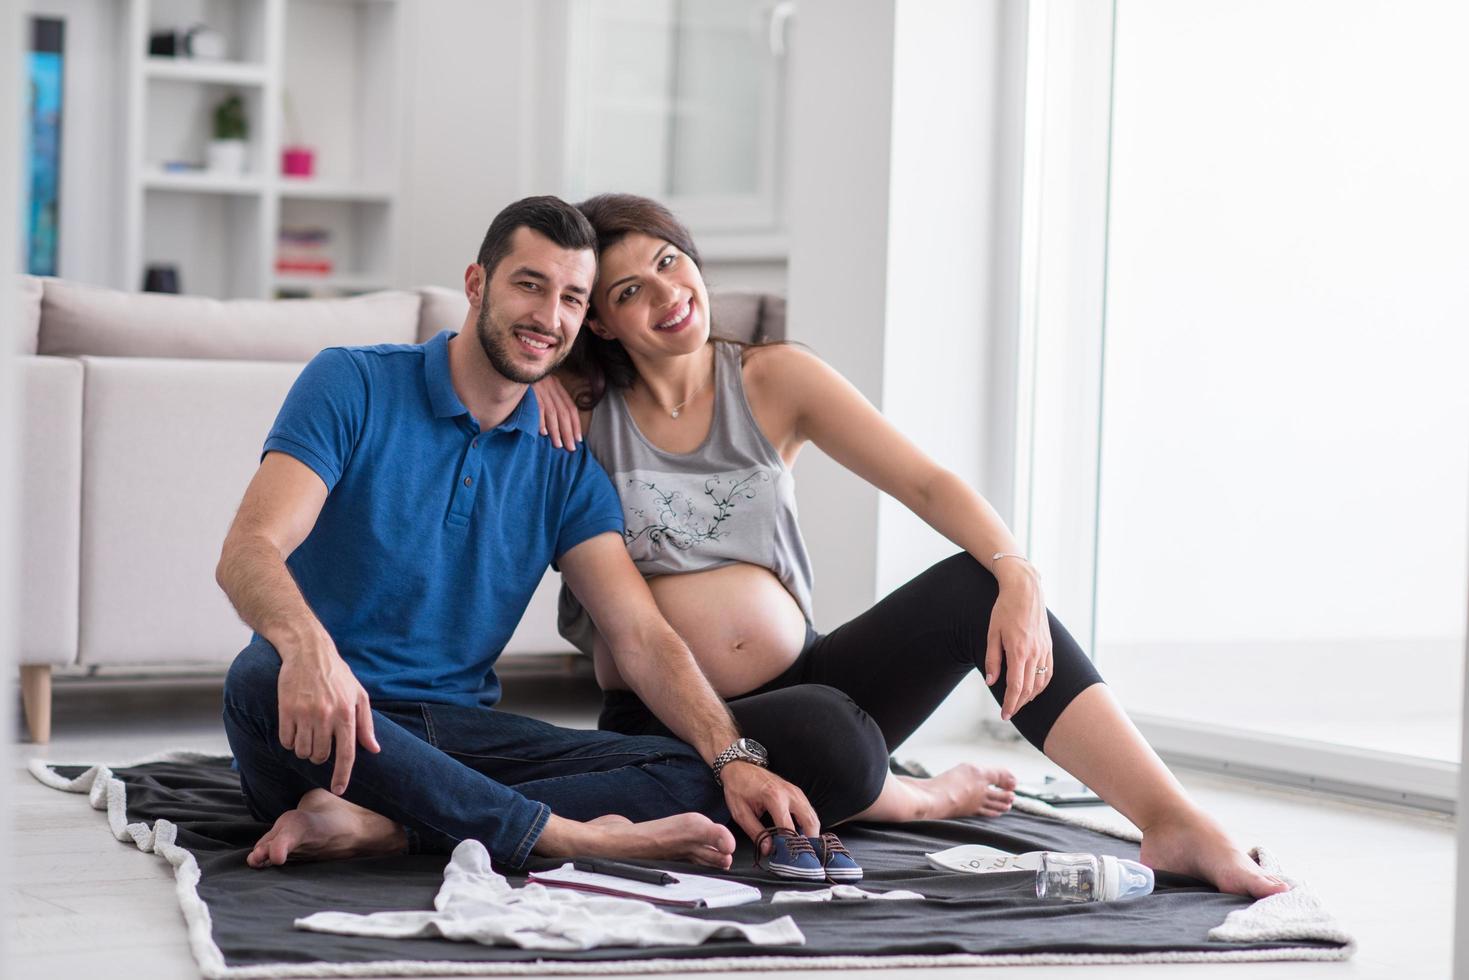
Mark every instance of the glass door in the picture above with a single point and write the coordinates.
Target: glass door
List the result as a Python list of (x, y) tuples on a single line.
[(1283, 477)]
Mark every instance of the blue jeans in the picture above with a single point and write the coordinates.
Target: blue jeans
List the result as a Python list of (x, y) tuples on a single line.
[(448, 773)]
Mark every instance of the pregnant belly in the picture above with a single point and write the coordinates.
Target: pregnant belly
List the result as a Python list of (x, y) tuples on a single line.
[(742, 625)]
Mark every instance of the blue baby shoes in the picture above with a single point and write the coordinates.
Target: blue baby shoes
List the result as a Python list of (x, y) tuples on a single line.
[(793, 855), (840, 866)]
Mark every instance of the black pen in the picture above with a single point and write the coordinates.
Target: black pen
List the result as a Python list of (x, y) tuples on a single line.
[(619, 870)]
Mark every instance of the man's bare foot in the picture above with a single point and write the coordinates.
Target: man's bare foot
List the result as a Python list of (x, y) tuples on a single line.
[(1195, 845), (614, 818), (966, 790), (324, 827), (685, 837)]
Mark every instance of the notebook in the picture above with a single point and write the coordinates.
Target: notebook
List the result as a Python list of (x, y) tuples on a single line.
[(690, 890)]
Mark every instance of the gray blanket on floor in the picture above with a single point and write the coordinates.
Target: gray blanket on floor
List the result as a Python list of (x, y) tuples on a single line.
[(241, 919)]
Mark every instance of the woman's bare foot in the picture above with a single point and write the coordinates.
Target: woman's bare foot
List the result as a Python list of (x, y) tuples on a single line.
[(1196, 846), (684, 837), (966, 790), (963, 791), (324, 827)]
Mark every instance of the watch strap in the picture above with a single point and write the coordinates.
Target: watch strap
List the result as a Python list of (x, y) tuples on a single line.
[(734, 754)]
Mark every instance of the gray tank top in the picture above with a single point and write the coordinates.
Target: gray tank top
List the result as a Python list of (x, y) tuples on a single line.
[(731, 500)]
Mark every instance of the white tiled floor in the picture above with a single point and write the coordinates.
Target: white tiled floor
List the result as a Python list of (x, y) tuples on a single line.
[(84, 904)]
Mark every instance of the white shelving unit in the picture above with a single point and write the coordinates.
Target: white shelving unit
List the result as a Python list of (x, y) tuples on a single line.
[(321, 73), (218, 72)]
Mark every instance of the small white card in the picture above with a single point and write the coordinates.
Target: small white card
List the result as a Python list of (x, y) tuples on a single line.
[(983, 859)]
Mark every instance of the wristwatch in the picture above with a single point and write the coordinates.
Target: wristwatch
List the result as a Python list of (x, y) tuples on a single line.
[(743, 750)]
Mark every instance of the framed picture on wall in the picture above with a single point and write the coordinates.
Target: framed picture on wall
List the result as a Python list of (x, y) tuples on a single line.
[(44, 66)]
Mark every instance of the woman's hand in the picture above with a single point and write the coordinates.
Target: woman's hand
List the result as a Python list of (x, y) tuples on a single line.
[(1020, 630), (559, 417)]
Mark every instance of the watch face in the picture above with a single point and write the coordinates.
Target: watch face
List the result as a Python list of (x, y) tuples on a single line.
[(754, 748)]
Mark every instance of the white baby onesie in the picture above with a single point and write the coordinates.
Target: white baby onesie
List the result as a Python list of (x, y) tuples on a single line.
[(478, 904)]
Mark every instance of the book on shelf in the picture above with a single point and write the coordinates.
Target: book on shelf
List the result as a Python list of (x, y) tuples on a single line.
[(303, 267), (304, 251)]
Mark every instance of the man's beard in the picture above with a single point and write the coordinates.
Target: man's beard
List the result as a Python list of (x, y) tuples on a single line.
[(496, 344)]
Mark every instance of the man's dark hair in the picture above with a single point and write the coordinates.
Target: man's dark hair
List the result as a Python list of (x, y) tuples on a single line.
[(547, 215)]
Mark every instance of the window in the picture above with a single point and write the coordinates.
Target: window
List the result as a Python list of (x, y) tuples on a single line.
[(680, 100)]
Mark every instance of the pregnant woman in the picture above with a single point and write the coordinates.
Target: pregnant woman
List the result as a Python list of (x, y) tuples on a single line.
[(699, 436)]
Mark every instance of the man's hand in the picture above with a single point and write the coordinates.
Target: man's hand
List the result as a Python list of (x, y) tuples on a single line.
[(751, 791), (661, 670), (320, 702), (319, 699)]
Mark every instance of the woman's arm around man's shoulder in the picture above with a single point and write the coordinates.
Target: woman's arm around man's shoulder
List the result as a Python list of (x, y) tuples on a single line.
[(561, 419)]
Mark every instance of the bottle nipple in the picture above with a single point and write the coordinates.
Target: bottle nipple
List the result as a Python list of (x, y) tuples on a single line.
[(1125, 879)]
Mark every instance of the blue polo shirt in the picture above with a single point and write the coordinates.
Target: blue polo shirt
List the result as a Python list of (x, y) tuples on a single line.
[(434, 533)]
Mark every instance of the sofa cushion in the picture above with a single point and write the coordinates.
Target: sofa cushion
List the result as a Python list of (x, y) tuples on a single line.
[(50, 498), (28, 318), (772, 317), (748, 317), (168, 447), (735, 315), (77, 320), (441, 309)]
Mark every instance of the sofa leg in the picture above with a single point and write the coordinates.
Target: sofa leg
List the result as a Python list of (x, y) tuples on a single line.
[(35, 695)]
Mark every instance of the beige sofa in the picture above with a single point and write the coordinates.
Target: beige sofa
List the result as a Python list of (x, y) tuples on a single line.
[(143, 417)]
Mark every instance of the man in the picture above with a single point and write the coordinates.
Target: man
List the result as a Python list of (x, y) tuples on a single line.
[(404, 510)]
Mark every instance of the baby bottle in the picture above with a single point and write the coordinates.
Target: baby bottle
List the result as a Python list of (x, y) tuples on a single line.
[(1091, 878)]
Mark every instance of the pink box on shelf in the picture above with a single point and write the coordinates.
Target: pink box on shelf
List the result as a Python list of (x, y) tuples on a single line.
[(298, 161)]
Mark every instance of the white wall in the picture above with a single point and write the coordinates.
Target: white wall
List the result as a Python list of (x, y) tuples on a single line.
[(470, 62), (903, 171), (948, 259), (841, 72), (941, 239), (901, 252), (1286, 411)]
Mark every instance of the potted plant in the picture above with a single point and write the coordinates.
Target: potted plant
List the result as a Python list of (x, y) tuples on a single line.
[(231, 129)]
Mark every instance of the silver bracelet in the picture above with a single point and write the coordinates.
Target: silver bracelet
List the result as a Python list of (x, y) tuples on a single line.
[(1005, 554)]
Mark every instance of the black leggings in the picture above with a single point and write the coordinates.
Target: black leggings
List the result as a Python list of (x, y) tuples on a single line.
[(832, 718)]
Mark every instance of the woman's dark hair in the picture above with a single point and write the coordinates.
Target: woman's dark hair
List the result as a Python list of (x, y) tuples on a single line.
[(602, 362)]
